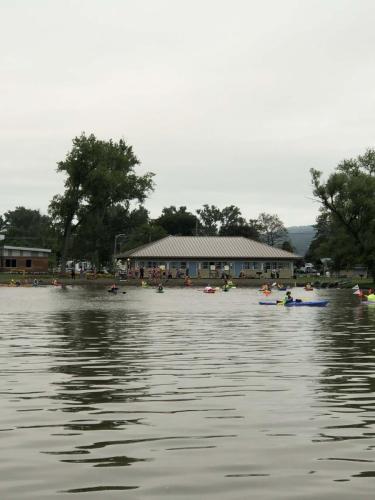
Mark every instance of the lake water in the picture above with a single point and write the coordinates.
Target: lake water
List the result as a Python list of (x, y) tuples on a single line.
[(185, 395)]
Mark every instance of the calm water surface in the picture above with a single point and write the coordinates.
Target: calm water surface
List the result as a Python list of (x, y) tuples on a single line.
[(185, 395)]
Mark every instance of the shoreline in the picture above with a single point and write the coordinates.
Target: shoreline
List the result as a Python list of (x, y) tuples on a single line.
[(26, 281)]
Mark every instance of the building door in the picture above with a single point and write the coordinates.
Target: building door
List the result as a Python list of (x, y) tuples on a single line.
[(193, 269)]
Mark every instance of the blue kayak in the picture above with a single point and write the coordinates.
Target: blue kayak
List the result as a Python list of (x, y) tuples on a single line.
[(310, 303)]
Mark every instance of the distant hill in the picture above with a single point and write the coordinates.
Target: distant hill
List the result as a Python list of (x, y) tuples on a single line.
[(301, 237)]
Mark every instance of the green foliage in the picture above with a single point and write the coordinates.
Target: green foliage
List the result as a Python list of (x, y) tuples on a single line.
[(177, 221), (26, 227), (100, 175), (346, 226), (145, 233), (226, 222), (271, 228), (209, 220), (117, 220), (287, 246)]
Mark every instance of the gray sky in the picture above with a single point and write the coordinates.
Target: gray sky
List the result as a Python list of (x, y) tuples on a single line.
[(226, 101)]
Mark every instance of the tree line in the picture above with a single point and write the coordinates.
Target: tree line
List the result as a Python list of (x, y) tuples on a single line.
[(104, 197)]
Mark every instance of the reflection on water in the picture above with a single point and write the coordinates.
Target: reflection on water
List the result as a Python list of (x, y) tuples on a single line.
[(183, 395)]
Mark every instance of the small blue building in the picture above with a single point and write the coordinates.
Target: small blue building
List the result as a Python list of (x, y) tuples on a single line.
[(212, 256)]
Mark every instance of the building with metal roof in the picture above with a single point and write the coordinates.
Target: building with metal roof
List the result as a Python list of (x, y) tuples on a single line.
[(212, 256)]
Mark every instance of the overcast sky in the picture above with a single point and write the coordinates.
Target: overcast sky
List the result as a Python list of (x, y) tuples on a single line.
[(227, 102)]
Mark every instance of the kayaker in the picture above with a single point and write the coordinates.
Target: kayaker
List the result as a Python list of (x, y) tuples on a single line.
[(371, 297), (187, 281), (288, 298), (160, 288)]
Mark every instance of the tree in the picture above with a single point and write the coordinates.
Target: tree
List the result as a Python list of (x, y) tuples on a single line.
[(226, 222), (26, 227), (347, 199), (209, 220), (230, 216), (146, 233), (177, 221), (99, 175), (287, 246), (117, 220), (271, 228), (331, 242)]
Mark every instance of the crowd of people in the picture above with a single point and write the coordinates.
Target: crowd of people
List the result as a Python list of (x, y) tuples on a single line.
[(156, 273)]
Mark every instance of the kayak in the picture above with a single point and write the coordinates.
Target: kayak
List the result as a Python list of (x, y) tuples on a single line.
[(314, 303)]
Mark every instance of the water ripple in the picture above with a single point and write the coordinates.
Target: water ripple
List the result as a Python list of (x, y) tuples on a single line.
[(181, 395)]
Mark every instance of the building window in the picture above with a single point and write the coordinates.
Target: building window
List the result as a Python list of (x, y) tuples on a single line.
[(10, 263), (251, 265), (151, 263), (28, 262), (174, 264), (209, 265), (270, 265), (276, 265)]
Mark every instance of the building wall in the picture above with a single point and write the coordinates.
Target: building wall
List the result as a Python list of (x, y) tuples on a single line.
[(20, 264), (209, 268)]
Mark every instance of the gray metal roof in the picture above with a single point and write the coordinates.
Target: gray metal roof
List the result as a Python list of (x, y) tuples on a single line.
[(202, 247)]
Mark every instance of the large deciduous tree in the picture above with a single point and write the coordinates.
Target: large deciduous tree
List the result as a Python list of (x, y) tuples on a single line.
[(226, 222), (177, 221), (209, 220), (99, 175), (271, 229), (347, 199)]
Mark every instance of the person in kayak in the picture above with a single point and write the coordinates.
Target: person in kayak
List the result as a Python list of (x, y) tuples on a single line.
[(288, 298), (371, 296)]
